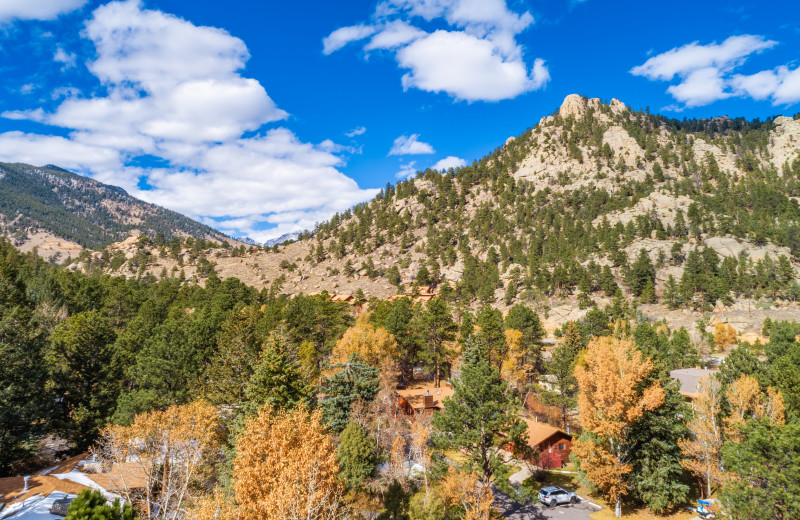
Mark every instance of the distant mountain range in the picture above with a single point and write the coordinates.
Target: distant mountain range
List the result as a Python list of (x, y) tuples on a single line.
[(281, 239), (48, 203)]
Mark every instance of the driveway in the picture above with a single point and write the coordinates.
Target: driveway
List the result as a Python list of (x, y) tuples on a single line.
[(538, 511)]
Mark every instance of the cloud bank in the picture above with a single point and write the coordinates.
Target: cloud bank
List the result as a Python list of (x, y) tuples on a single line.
[(175, 95), (36, 9), (475, 57), (706, 73)]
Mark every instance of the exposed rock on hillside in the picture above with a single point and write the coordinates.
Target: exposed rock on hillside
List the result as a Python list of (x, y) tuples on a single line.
[(548, 217)]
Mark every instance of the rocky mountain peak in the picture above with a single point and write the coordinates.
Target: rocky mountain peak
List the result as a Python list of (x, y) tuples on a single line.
[(573, 105)]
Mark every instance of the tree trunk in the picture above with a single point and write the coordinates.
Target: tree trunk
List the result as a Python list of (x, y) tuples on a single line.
[(436, 378), (618, 508)]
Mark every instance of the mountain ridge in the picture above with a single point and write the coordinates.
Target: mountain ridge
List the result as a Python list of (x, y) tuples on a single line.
[(557, 217), (48, 205)]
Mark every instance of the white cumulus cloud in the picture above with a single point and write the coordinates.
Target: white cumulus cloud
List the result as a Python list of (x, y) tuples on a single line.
[(356, 131), (476, 58), (781, 85), (407, 170), (175, 92), (705, 73), (395, 34), (410, 145), (464, 66), (36, 9), (449, 162), (67, 58), (344, 35)]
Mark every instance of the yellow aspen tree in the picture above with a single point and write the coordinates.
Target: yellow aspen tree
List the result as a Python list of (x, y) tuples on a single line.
[(171, 453), (420, 452), (747, 400), (215, 506), (724, 336), (702, 451), (397, 459), (744, 396), (608, 403), (773, 407), (374, 346), (468, 491), (515, 368), (286, 469)]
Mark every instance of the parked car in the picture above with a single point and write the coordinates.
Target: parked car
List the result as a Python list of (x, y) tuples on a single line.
[(553, 496)]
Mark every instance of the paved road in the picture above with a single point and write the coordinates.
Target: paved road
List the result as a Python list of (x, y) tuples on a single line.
[(537, 511)]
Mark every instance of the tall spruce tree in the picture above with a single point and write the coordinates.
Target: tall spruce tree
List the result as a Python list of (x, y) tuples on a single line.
[(480, 417), (356, 456), (24, 403), (491, 340), (352, 380), (83, 365), (641, 277), (656, 474), (766, 470), (438, 330), (561, 368)]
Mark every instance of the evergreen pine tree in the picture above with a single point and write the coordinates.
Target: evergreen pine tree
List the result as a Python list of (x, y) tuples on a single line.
[(561, 368), (395, 503), (480, 417), (92, 505), (491, 339), (276, 381), (353, 379), (356, 456), (438, 330), (656, 476)]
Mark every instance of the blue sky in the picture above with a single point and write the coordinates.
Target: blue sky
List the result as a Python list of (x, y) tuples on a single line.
[(264, 117)]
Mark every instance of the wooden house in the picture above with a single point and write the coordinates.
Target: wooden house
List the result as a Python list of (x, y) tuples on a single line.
[(553, 445), (421, 397)]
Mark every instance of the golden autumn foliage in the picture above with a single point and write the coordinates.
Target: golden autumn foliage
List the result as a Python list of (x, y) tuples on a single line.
[(774, 407), (608, 376), (170, 454), (746, 401), (702, 451), (216, 506), (467, 490), (724, 336), (286, 469), (419, 450), (515, 367), (397, 459), (375, 346)]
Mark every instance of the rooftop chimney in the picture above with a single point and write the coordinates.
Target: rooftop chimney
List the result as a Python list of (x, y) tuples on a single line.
[(26, 479), (427, 400)]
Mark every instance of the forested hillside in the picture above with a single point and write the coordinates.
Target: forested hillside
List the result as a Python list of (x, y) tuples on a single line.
[(597, 202), (62, 205)]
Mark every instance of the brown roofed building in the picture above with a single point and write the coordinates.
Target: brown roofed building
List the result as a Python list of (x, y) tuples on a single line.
[(347, 298), (121, 477), (422, 397), (12, 489), (553, 445)]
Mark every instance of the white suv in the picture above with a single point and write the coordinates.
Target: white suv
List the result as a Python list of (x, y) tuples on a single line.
[(552, 496)]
